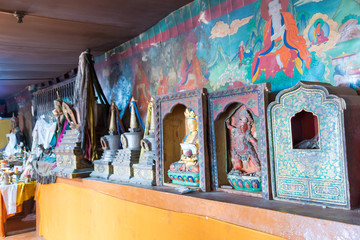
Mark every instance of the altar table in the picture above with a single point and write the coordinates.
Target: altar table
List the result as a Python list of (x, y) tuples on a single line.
[(25, 191)]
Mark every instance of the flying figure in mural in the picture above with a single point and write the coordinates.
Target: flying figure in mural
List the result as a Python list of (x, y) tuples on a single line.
[(191, 73), (284, 49), (241, 53)]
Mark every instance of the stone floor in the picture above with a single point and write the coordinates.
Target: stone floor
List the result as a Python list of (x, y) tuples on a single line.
[(23, 236)]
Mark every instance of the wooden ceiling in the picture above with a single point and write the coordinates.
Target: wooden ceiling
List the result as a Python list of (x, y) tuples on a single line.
[(54, 33)]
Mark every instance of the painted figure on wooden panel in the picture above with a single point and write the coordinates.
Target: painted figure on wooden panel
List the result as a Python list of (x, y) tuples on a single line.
[(243, 144), (284, 49), (242, 147)]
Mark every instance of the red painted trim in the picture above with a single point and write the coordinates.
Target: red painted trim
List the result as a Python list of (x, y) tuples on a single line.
[(188, 25), (215, 12)]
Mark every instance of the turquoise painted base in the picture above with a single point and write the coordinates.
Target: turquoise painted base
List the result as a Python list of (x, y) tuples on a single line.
[(245, 183), (184, 178)]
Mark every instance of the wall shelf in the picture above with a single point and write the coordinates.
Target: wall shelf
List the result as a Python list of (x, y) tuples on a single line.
[(284, 219)]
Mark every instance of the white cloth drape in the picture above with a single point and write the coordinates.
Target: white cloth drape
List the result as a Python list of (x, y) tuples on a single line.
[(9, 193), (11, 146), (42, 134)]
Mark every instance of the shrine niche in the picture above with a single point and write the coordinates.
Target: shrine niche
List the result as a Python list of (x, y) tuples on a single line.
[(314, 145), (238, 140), (305, 130), (180, 124)]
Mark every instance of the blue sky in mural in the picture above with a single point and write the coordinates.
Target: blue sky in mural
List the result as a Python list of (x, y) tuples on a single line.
[(219, 50), (312, 7), (116, 83)]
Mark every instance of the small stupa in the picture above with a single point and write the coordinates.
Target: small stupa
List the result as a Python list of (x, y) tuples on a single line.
[(144, 171), (110, 144), (129, 155)]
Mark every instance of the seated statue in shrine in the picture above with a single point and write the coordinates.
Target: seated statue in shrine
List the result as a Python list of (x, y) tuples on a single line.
[(190, 147), (243, 150)]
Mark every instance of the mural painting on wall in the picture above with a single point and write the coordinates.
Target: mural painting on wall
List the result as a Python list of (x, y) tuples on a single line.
[(192, 75), (224, 44), (165, 72), (141, 87), (284, 49), (115, 80)]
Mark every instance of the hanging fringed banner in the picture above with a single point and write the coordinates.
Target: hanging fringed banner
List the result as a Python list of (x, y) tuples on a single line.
[(42, 172)]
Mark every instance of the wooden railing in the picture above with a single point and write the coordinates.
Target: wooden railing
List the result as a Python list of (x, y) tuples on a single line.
[(44, 98)]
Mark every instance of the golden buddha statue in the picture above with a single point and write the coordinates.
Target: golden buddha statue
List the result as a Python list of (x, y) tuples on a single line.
[(190, 146)]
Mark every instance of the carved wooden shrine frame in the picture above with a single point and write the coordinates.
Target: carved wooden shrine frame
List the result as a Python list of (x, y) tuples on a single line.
[(164, 104), (251, 96)]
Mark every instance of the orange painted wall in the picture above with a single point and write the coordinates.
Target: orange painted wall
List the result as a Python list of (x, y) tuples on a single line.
[(70, 212)]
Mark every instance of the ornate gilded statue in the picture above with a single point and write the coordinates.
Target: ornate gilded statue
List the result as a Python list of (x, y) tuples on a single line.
[(57, 112), (190, 147), (243, 150), (70, 115)]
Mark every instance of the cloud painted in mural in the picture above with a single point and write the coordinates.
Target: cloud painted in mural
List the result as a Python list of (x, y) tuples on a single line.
[(349, 30), (320, 34), (202, 18), (302, 2), (222, 29)]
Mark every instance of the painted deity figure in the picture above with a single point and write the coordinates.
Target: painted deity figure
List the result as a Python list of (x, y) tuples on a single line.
[(284, 49), (243, 144), (162, 89), (190, 146), (191, 72), (319, 35), (241, 53), (142, 88)]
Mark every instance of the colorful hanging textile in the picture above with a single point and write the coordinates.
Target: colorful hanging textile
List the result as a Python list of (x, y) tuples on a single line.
[(138, 116), (86, 85)]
